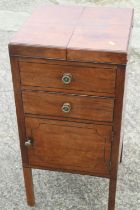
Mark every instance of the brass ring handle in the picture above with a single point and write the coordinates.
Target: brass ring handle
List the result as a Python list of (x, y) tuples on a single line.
[(66, 78), (66, 107), (28, 143)]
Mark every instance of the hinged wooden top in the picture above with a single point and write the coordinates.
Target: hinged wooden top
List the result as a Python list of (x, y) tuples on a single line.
[(95, 34)]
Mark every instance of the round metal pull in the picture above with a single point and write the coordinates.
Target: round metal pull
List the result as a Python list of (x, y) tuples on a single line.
[(28, 143), (66, 78), (66, 107)]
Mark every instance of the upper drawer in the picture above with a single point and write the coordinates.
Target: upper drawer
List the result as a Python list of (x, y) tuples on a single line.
[(69, 106), (78, 78)]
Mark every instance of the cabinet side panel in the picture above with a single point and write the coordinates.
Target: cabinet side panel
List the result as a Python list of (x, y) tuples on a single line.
[(19, 108), (116, 142), (123, 114), (118, 107)]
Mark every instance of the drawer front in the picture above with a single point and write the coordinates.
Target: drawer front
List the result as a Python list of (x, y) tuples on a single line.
[(69, 146), (80, 107), (85, 79)]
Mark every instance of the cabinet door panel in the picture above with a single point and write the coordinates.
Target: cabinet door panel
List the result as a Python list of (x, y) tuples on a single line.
[(69, 146)]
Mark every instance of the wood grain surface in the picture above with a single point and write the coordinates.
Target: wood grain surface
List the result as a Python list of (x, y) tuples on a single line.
[(28, 180), (82, 107), (91, 44), (19, 108), (116, 143), (68, 145), (76, 33), (84, 79), (47, 32)]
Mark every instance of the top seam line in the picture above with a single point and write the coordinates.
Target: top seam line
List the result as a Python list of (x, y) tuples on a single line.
[(74, 31)]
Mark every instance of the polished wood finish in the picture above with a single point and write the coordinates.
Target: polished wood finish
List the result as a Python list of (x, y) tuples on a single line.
[(19, 108), (101, 35), (63, 145), (84, 79), (82, 107), (68, 119), (27, 172), (65, 62), (120, 79), (59, 25), (50, 41), (91, 45), (94, 34)]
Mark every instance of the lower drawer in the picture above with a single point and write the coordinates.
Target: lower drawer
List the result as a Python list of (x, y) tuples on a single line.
[(69, 146), (68, 106)]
